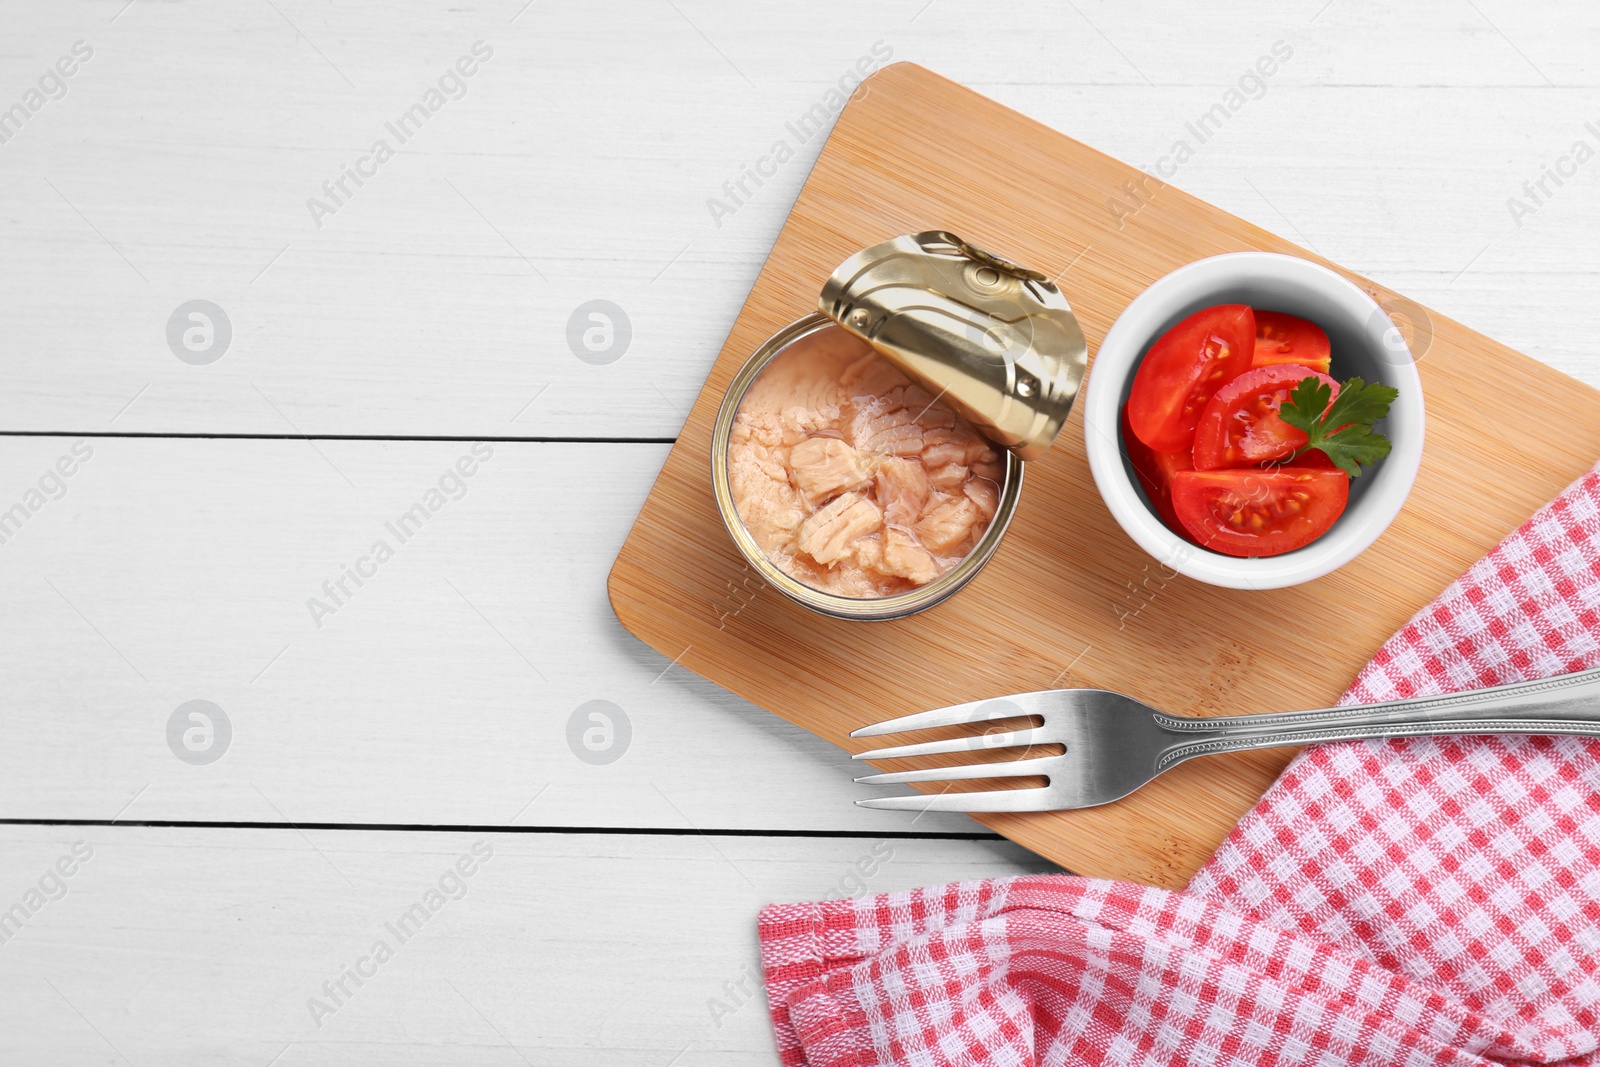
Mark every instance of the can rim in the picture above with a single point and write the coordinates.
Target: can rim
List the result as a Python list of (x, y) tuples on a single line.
[(873, 608)]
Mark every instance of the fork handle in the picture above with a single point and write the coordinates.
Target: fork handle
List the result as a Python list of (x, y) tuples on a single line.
[(1568, 704)]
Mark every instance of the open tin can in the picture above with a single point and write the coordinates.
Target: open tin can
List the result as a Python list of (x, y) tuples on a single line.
[(995, 343)]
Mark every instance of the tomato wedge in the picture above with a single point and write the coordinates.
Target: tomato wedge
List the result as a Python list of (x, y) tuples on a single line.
[(1155, 471), (1240, 427), (1315, 458), (1259, 512), (1184, 368), (1284, 338)]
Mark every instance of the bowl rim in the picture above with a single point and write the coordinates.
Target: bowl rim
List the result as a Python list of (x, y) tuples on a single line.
[(1122, 350)]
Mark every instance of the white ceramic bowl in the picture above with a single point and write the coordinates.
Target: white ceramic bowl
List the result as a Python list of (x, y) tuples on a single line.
[(1365, 344)]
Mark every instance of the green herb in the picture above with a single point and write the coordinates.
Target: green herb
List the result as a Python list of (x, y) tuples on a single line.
[(1343, 431)]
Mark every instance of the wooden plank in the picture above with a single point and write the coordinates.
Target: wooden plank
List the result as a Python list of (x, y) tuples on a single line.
[(580, 163), (206, 946), (439, 693), (914, 151)]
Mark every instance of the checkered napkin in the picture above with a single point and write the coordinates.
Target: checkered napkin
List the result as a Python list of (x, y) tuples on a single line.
[(1427, 901)]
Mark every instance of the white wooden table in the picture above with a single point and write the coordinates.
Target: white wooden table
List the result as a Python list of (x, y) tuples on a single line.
[(426, 713)]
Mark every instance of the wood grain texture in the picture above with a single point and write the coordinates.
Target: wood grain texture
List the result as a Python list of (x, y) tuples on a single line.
[(914, 151), (586, 150), (439, 693), (204, 946)]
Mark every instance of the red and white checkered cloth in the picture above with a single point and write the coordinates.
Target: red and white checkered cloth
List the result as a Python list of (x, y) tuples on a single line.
[(1430, 901)]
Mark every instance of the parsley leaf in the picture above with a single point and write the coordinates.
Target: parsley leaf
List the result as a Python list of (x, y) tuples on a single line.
[(1343, 432)]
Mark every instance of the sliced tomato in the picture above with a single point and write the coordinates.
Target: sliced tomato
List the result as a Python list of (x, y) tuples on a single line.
[(1316, 458), (1184, 368), (1240, 427), (1155, 471), (1284, 338), (1252, 511)]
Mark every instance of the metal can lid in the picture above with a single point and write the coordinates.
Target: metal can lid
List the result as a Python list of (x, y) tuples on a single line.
[(995, 341)]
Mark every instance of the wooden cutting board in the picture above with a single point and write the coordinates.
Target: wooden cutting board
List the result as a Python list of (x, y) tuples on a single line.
[(1069, 600)]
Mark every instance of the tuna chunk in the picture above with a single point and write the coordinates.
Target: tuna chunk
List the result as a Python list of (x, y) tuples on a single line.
[(799, 423), (903, 557), (896, 422), (831, 533), (766, 500), (903, 490), (881, 427), (985, 494), (869, 552), (825, 466), (943, 447), (945, 528), (948, 478), (993, 468)]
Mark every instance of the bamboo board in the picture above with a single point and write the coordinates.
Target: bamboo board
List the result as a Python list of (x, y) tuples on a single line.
[(1069, 599)]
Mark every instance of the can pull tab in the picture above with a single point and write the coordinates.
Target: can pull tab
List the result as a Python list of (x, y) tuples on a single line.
[(995, 341)]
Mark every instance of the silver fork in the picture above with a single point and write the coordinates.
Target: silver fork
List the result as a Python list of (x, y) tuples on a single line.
[(1115, 744)]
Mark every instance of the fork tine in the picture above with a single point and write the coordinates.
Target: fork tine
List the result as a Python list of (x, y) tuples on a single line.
[(1011, 769), (1009, 739), (993, 800), (955, 715)]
